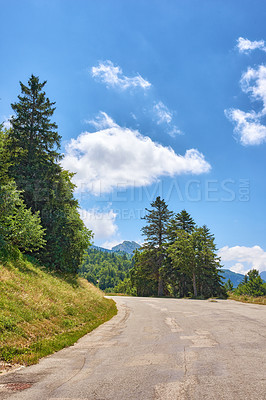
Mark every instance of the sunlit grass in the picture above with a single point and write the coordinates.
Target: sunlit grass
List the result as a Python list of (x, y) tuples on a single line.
[(41, 312), (248, 299)]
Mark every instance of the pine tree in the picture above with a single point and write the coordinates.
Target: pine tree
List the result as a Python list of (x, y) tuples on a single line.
[(181, 221), (33, 144), (156, 235), (194, 256)]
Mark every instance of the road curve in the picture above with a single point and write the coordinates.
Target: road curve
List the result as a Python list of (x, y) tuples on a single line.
[(156, 349)]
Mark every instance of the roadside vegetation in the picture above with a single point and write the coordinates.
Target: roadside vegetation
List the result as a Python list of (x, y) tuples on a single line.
[(44, 306), (251, 290), (42, 312)]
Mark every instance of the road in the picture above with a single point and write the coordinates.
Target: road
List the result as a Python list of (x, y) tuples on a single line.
[(156, 349)]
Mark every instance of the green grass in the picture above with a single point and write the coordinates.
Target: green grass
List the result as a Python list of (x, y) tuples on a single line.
[(42, 312), (247, 299)]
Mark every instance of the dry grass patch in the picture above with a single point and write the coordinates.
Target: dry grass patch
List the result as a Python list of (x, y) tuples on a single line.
[(248, 299)]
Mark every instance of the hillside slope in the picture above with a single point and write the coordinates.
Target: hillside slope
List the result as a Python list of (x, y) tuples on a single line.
[(41, 312), (235, 278)]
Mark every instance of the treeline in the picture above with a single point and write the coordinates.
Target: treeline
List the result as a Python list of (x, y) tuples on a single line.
[(105, 270), (38, 211), (252, 285), (177, 259)]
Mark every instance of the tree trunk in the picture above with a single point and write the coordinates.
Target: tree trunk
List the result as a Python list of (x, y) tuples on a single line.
[(194, 284), (160, 286)]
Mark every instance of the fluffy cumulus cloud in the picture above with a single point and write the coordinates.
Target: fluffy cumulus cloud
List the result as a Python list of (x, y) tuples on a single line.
[(243, 258), (253, 81), (246, 46), (249, 126), (102, 223), (120, 157), (113, 76)]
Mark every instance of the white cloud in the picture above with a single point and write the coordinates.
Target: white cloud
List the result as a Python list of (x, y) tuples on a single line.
[(109, 244), (245, 258), (246, 46), (102, 223), (174, 131), (6, 122), (249, 125), (253, 81), (102, 121), (163, 114), (118, 156), (113, 76)]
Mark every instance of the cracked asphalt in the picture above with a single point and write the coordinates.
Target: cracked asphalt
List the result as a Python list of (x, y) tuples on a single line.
[(156, 349)]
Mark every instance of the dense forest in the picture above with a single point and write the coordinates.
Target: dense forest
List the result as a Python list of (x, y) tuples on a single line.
[(38, 212), (105, 270)]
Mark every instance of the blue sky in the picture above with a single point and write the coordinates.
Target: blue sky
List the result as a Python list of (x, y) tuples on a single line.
[(153, 98)]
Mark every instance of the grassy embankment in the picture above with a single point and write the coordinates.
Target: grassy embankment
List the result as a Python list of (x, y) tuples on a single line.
[(41, 313), (247, 299)]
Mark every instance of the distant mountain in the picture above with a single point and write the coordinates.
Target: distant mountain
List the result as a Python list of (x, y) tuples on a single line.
[(234, 277), (126, 247), (101, 249), (237, 278)]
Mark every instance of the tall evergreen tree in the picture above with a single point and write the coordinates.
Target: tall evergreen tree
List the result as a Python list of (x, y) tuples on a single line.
[(181, 221), (194, 255), (33, 144), (156, 234)]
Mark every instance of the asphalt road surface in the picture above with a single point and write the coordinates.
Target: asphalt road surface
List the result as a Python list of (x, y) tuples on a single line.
[(156, 349)]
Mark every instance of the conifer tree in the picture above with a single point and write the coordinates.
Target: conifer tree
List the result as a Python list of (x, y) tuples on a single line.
[(156, 234), (194, 256), (181, 221), (33, 145)]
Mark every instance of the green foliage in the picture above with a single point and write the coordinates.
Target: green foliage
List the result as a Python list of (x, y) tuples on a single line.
[(105, 270), (229, 287), (66, 235), (196, 264), (18, 225), (144, 275), (252, 285), (4, 157), (180, 222)]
